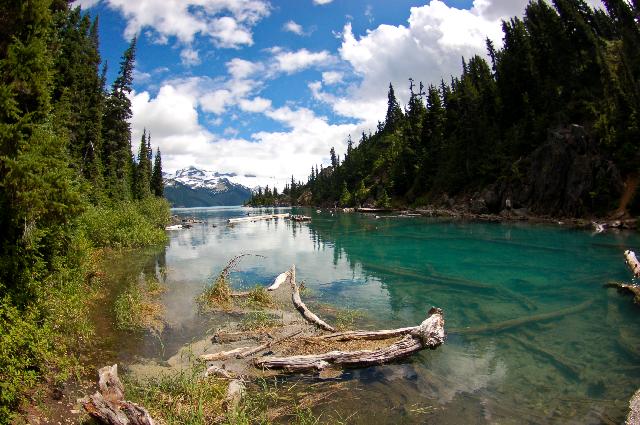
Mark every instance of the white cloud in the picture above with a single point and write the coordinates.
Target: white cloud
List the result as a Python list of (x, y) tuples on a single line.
[(257, 104), (321, 2), (240, 68), (228, 23), (190, 57), (290, 62), (332, 77), (293, 27)]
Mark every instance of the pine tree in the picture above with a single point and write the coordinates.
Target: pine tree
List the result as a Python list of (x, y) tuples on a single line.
[(394, 112), (142, 174), (116, 152), (345, 197), (157, 184)]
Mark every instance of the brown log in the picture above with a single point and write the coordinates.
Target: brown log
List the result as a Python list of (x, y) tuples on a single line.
[(108, 405), (632, 262), (430, 334), (223, 355), (302, 308)]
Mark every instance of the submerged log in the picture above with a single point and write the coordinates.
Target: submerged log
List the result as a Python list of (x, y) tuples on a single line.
[(302, 308), (520, 321), (108, 405), (368, 335), (632, 262), (430, 334), (279, 280)]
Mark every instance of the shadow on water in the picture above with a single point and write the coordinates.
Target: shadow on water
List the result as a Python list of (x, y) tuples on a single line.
[(570, 352)]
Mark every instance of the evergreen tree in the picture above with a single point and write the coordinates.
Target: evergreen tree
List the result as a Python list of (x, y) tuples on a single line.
[(394, 112), (116, 152), (142, 174), (157, 185), (345, 197)]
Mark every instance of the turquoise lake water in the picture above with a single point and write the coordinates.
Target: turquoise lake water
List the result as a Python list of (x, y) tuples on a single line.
[(533, 336)]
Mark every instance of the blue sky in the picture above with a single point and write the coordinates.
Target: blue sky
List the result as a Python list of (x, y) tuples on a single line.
[(266, 88)]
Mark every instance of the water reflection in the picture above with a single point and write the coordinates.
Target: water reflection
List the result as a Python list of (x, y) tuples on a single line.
[(577, 367)]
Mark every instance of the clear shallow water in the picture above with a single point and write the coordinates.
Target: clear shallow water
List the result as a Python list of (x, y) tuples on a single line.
[(578, 368)]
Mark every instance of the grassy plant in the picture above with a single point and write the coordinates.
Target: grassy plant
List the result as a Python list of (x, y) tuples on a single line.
[(259, 297), (346, 319), (138, 308), (185, 397), (259, 320), (129, 224), (219, 292)]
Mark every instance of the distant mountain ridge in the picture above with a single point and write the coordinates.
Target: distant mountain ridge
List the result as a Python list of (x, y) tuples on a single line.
[(193, 187)]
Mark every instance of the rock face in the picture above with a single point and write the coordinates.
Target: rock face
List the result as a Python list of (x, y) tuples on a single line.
[(566, 176), (192, 187)]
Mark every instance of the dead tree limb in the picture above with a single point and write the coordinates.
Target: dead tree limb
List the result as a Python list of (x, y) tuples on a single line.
[(302, 308), (430, 334), (265, 346), (629, 288), (367, 335), (279, 280), (632, 262), (108, 405)]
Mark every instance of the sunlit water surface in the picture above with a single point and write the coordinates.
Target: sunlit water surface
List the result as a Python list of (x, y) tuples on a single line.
[(580, 363)]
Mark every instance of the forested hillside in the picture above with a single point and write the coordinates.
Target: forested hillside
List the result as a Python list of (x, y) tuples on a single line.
[(69, 183), (550, 123)]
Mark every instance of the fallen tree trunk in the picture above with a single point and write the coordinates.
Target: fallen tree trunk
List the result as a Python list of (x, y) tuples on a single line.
[(302, 308), (626, 287), (632, 262), (368, 335), (108, 405), (513, 323), (279, 280), (244, 352), (430, 334)]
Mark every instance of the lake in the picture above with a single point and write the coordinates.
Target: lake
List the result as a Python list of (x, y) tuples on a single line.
[(533, 336)]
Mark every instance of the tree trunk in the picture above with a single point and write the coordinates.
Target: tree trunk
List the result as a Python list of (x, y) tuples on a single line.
[(632, 262), (302, 308), (430, 334), (108, 406)]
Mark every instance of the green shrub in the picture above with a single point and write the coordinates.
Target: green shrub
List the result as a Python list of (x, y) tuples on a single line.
[(127, 225)]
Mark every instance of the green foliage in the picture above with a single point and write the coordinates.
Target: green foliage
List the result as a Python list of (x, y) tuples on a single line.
[(157, 185), (259, 297), (128, 224), (138, 307)]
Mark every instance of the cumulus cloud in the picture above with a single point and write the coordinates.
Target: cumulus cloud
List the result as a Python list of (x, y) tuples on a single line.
[(321, 2), (332, 77), (172, 118), (228, 23), (293, 27), (290, 62)]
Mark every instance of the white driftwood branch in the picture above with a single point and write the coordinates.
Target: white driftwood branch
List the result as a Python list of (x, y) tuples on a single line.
[(302, 308), (108, 405), (224, 355), (632, 262), (282, 278), (430, 334), (368, 335)]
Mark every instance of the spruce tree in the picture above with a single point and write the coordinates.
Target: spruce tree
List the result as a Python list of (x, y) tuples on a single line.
[(116, 143), (394, 112), (142, 174), (157, 185)]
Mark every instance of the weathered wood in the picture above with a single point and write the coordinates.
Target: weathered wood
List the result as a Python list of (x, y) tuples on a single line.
[(367, 335), (630, 288), (108, 405), (235, 390), (257, 218), (222, 337), (266, 345), (223, 355), (302, 308), (279, 280), (219, 372), (633, 418), (514, 323), (632, 262), (430, 334)]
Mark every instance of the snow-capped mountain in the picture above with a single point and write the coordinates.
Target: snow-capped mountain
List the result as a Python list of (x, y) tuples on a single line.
[(192, 187)]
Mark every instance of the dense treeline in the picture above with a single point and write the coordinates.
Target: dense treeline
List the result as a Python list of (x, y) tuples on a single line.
[(268, 197), (65, 162), (560, 66)]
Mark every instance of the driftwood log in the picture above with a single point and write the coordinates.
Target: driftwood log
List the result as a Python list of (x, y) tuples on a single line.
[(629, 288), (632, 262), (108, 405), (430, 334), (302, 308), (244, 352), (279, 280)]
